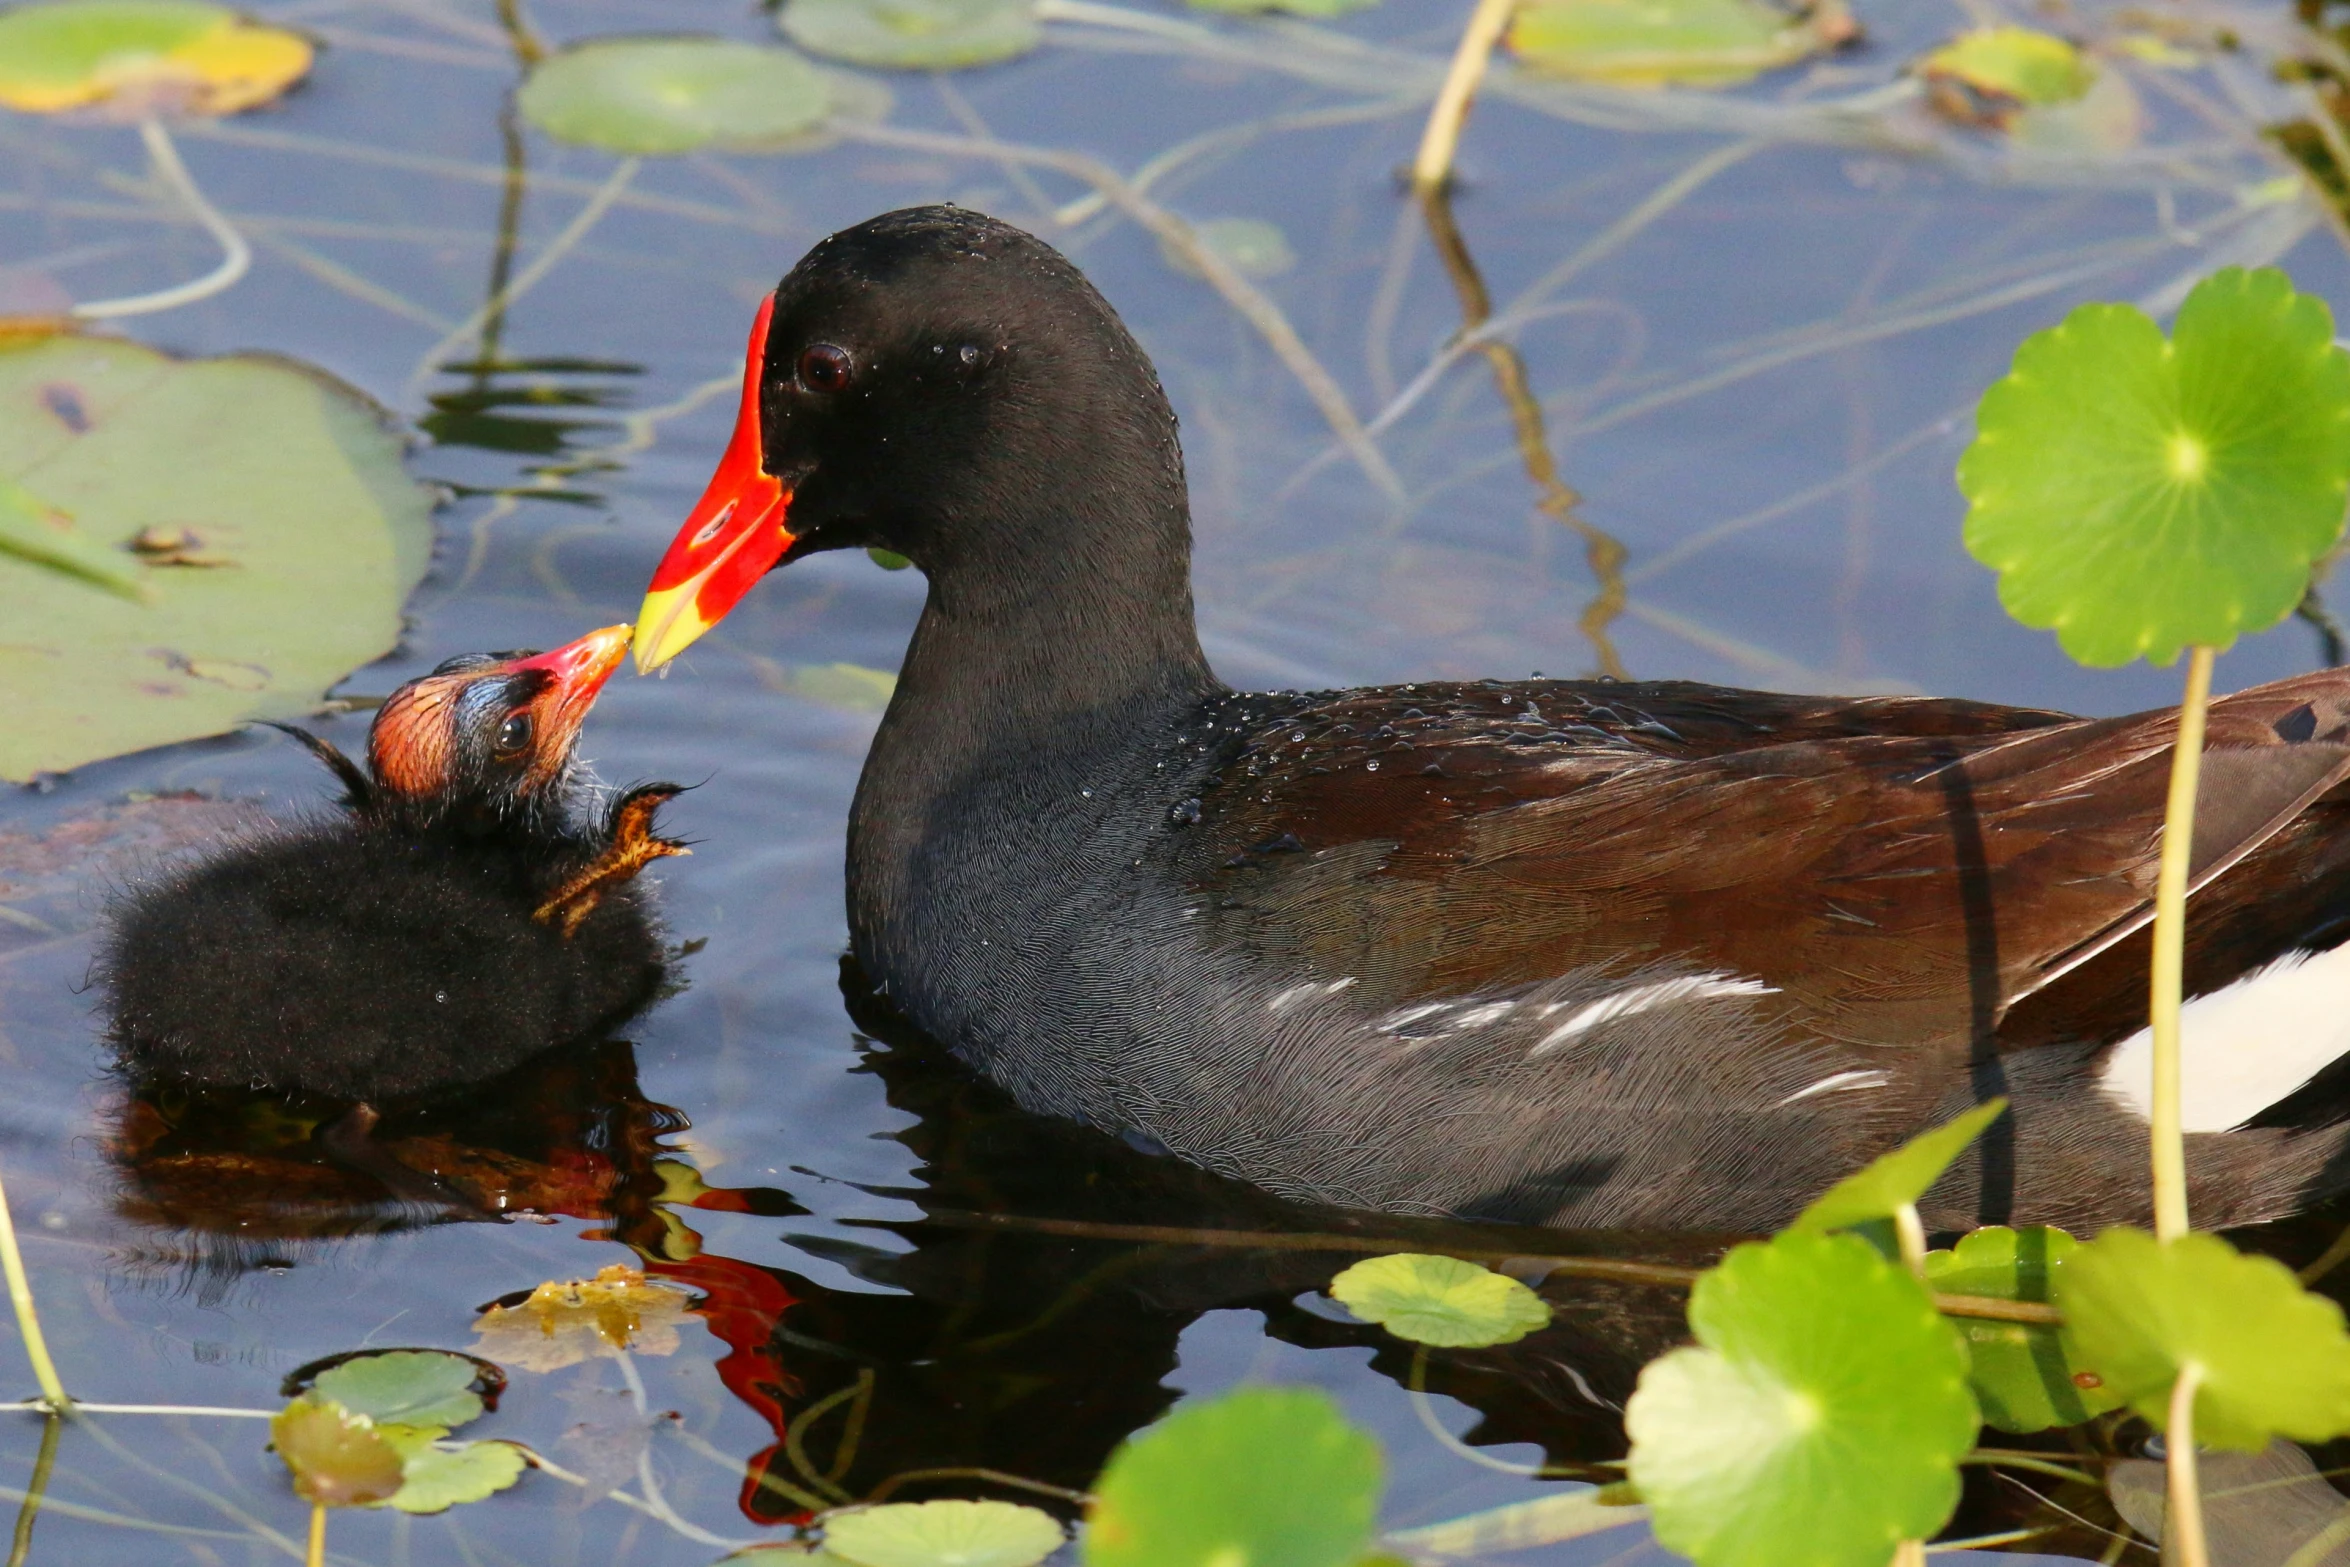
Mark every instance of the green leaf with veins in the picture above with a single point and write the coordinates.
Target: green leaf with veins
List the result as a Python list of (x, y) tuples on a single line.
[(912, 35), (652, 96), (435, 1477), (943, 1534), (2019, 1371), (1440, 1300), (2274, 1357), (1263, 1475), (1821, 1419), (413, 1387), (2137, 495), (1897, 1179)]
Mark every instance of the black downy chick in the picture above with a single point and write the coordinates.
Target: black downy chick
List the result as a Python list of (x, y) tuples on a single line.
[(465, 911)]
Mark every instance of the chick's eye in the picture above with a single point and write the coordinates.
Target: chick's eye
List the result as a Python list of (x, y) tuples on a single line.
[(824, 368), (514, 733)]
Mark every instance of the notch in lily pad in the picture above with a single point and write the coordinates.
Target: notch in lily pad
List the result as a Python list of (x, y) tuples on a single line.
[(655, 96), (133, 58), (2138, 494), (913, 35), (1819, 1419), (1260, 1475), (929, 1534), (1440, 1301)]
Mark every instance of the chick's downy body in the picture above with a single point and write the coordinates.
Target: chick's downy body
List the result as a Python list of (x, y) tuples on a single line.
[(464, 910)]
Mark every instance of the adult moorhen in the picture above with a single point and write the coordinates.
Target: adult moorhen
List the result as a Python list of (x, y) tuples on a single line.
[(462, 913), (1586, 953)]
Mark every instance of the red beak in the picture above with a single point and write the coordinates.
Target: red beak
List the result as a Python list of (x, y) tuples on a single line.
[(730, 539)]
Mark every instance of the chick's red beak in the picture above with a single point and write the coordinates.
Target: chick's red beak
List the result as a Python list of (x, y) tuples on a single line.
[(734, 534), (575, 672)]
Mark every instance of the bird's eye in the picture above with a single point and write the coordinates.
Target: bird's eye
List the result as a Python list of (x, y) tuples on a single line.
[(824, 368), (514, 733)]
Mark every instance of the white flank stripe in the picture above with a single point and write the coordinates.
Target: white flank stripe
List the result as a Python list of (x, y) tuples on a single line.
[(1838, 1084), (1646, 998), (2245, 1047)]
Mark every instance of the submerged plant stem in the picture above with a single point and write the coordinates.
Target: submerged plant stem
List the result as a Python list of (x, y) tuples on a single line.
[(2183, 1543), (34, 1490), (236, 255), (28, 1321), (1432, 169), (2170, 948)]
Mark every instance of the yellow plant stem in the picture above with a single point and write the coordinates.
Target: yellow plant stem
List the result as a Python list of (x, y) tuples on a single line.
[(1909, 1553), (1909, 1232), (317, 1553), (1433, 167), (2170, 950), (2183, 1544), (28, 1321)]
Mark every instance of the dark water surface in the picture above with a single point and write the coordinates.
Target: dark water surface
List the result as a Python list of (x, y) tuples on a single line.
[(1760, 393)]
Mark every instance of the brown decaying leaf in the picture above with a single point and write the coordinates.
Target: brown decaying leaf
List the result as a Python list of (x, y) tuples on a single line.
[(565, 1322)]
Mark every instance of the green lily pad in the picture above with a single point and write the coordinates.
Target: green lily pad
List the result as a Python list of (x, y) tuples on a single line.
[(651, 96), (1440, 1300), (338, 1459), (142, 57), (1820, 1421), (1319, 9), (1250, 246), (913, 35), (1989, 75), (852, 688), (31, 529), (2137, 495), (1896, 1180), (2274, 1357), (413, 1387), (436, 1476), (2020, 1374), (1651, 43), (312, 538), (944, 1534), (1263, 1476)]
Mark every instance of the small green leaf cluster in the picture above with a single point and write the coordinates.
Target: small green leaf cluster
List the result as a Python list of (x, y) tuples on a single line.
[(370, 1431)]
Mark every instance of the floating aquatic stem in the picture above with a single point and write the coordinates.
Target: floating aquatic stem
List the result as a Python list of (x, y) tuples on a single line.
[(2170, 947), (236, 255), (28, 1321), (1432, 169)]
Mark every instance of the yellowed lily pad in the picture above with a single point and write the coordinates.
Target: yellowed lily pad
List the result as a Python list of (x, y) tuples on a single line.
[(564, 1322), (313, 536), (1992, 74), (139, 57), (1656, 43)]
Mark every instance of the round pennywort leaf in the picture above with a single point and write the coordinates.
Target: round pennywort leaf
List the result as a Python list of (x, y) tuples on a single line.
[(1263, 1475), (1440, 1300), (436, 1478), (943, 1534), (2137, 495), (1819, 1424), (912, 35), (338, 1459), (413, 1387), (672, 95), (2275, 1360)]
